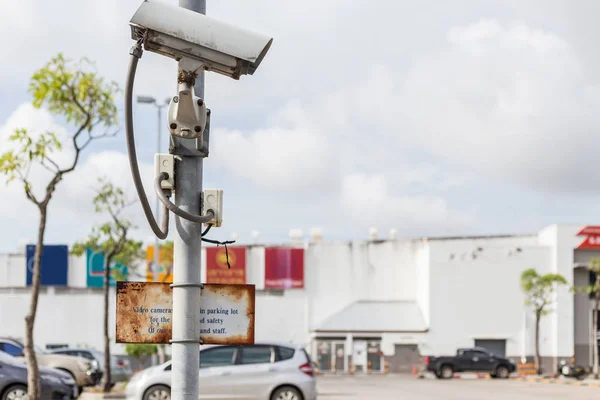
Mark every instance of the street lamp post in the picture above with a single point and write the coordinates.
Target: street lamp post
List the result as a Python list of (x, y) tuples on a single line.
[(159, 107)]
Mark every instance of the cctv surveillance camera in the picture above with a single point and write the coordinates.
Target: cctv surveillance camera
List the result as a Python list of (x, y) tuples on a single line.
[(183, 34)]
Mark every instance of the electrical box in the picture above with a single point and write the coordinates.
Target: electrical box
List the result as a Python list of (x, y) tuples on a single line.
[(212, 199), (165, 163)]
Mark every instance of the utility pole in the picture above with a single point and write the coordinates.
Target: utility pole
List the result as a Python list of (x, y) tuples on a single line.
[(159, 108), (186, 263), (223, 48)]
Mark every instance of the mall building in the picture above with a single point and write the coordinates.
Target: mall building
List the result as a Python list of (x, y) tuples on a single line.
[(356, 305)]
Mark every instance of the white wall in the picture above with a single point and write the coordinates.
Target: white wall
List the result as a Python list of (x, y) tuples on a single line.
[(77, 275), (338, 274), (71, 316), (281, 318), (481, 298), (12, 270), (563, 240)]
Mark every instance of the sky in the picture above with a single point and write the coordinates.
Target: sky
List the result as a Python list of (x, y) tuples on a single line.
[(430, 118)]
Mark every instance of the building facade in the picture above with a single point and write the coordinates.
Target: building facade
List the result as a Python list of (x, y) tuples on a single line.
[(363, 304)]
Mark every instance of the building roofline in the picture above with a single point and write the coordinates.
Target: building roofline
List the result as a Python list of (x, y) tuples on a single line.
[(500, 236), (369, 331)]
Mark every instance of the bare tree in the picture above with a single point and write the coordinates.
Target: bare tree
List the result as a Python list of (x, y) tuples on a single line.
[(111, 239), (76, 93)]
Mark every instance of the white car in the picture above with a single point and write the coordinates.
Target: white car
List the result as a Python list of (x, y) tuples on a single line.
[(263, 371)]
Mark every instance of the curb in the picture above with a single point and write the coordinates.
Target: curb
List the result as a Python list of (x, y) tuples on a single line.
[(474, 375), (570, 382), (101, 396), (462, 375)]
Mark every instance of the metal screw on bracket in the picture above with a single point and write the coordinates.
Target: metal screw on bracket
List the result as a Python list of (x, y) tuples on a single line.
[(200, 102), (197, 128), (176, 99), (173, 126)]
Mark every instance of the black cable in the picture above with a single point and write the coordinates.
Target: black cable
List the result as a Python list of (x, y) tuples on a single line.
[(225, 243), (163, 231), (206, 230)]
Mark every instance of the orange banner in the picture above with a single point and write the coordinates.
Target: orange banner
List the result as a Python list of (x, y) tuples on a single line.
[(217, 270)]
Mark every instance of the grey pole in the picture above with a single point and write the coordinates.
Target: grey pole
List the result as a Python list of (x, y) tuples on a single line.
[(157, 205), (186, 264)]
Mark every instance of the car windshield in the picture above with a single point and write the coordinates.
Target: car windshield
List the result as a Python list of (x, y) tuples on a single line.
[(6, 358)]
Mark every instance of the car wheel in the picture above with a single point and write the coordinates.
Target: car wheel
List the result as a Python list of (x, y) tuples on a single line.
[(15, 392), (286, 393), (502, 372), (158, 392), (446, 372)]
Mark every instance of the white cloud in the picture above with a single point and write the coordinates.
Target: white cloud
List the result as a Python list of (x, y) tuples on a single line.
[(367, 199), (508, 101), (71, 212), (279, 159)]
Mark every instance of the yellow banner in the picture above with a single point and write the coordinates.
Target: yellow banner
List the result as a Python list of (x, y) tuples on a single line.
[(165, 263)]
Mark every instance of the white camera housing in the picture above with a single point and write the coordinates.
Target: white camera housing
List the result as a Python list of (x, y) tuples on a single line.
[(165, 163), (212, 199), (182, 34)]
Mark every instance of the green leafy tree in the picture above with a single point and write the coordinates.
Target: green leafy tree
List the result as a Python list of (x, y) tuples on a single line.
[(111, 239), (539, 290), (75, 92), (593, 290), (138, 351)]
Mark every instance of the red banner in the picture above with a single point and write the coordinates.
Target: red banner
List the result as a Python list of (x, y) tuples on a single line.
[(284, 268), (592, 241), (217, 270)]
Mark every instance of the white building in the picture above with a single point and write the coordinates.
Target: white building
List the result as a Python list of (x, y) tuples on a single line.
[(365, 302)]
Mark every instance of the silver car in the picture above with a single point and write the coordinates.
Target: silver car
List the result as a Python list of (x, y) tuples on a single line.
[(120, 371), (263, 371)]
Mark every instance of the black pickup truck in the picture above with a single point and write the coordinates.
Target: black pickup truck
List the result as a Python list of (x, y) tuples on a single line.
[(475, 359)]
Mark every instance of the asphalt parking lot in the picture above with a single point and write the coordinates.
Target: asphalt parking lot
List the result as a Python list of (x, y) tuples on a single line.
[(394, 387)]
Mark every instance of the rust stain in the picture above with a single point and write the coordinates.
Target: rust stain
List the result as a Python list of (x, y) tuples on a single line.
[(238, 293), (137, 302)]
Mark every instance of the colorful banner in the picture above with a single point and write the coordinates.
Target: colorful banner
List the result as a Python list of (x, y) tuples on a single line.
[(217, 270), (592, 240), (165, 263), (284, 268), (95, 270), (54, 267)]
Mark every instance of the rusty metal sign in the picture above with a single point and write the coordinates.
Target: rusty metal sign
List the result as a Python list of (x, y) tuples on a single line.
[(145, 313)]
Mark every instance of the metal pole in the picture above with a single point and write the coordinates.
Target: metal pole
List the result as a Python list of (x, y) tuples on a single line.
[(157, 205), (186, 263)]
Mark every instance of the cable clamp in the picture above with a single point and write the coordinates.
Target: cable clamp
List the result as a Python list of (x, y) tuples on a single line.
[(199, 341), (200, 285), (136, 50)]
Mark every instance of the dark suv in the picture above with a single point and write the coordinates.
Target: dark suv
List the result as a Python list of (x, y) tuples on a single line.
[(475, 359)]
